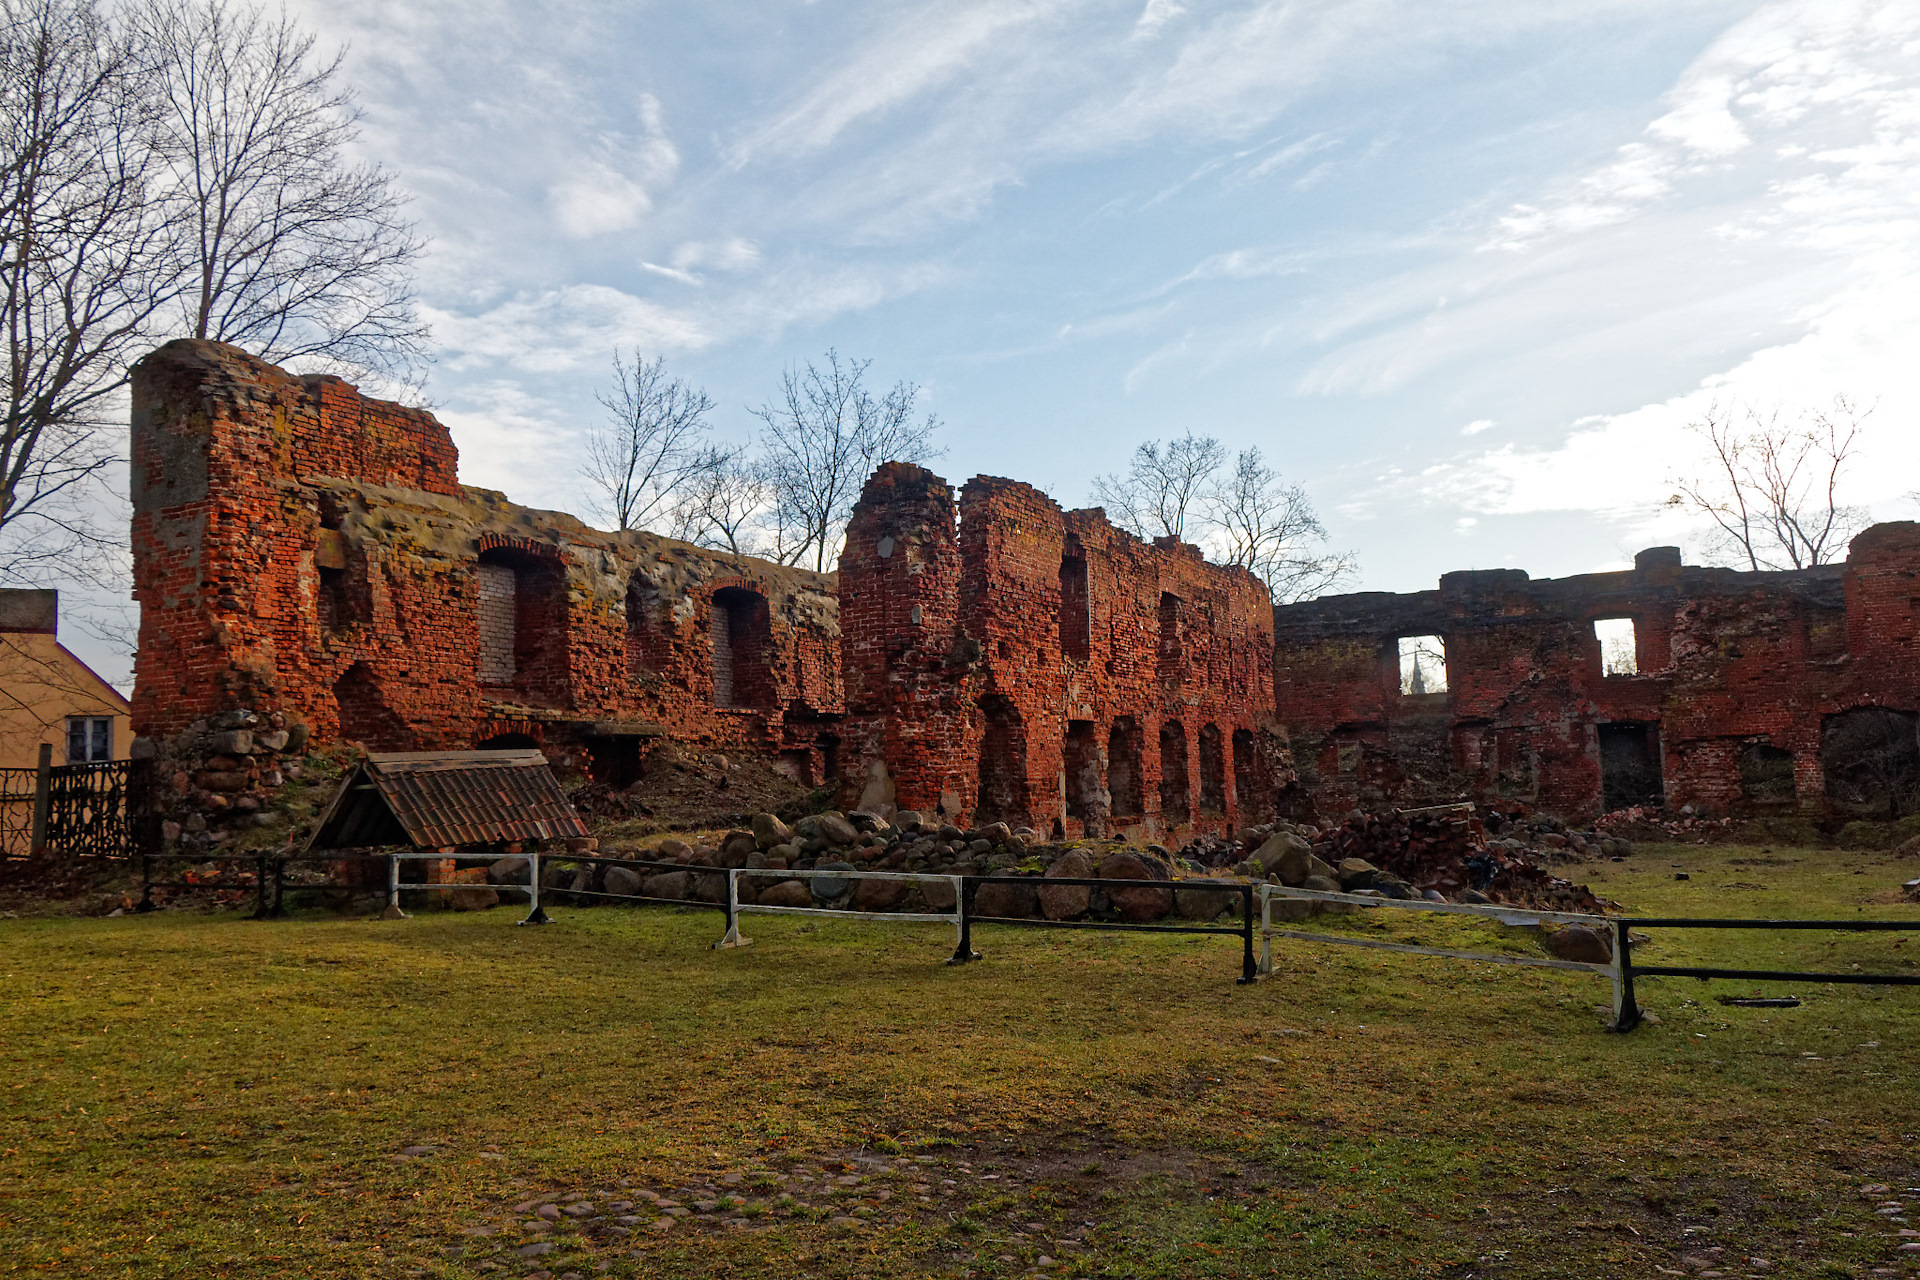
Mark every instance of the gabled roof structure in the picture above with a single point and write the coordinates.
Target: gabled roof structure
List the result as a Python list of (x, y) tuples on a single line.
[(443, 799)]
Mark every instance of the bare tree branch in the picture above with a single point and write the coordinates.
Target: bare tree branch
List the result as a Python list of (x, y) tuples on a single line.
[(640, 460), (1269, 527), (1773, 492), (1162, 485), (285, 247), (723, 502), (821, 442)]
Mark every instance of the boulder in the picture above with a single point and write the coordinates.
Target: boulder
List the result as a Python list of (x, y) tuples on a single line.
[(508, 871), (623, 880), (788, 853), (668, 884), (233, 742), (1286, 855), (908, 820), (473, 897), (1578, 942), (1316, 866), (674, 850), (788, 893), (1203, 904), (1008, 901), (836, 830), (938, 893), (1322, 884), (994, 833), (1355, 873), (1063, 902), (1136, 905), (272, 740), (707, 886), (832, 892), (769, 831), (880, 895), (735, 848)]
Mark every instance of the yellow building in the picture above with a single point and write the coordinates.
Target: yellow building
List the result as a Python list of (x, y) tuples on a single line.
[(49, 695)]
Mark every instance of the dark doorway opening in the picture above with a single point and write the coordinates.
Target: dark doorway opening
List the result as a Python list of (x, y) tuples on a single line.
[(1081, 758), (1123, 768), (1871, 756), (1630, 772), (1213, 771), (1766, 774), (1003, 764)]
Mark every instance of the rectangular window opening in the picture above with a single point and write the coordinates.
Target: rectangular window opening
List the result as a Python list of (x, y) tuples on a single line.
[(1618, 656), (1423, 665)]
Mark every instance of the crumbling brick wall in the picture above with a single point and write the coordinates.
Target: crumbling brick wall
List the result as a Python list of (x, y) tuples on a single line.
[(1740, 679), (1009, 660), (305, 551)]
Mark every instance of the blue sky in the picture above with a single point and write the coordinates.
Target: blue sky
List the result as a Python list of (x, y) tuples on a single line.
[(1464, 270)]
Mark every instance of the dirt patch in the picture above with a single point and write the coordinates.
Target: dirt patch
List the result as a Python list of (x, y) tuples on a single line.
[(690, 789)]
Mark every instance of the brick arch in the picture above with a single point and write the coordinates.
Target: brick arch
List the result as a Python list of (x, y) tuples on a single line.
[(740, 640), (513, 542)]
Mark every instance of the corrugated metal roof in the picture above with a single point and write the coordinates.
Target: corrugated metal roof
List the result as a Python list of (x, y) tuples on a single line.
[(441, 799)]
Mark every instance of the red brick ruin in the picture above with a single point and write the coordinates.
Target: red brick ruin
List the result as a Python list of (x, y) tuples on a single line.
[(307, 553)]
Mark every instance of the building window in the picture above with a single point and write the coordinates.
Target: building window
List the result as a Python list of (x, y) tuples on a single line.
[(89, 739), (1172, 655), (498, 592), (1618, 655), (1423, 665), (740, 629)]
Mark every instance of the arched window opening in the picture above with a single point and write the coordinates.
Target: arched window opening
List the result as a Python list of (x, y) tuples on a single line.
[(1076, 607), (1003, 764), (1123, 768), (1175, 806), (1213, 771), (1081, 757), (742, 636), (365, 717), (521, 617)]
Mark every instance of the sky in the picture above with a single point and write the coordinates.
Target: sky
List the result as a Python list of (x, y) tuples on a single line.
[(1465, 271)]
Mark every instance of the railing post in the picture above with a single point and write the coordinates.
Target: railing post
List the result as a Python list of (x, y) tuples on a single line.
[(1266, 930), (42, 799), (732, 938), (260, 886), (963, 952), (537, 914), (1626, 1013), (146, 902), (393, 911), (279, 911), (1248, 971)]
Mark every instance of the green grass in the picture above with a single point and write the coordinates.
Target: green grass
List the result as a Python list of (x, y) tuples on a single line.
[(196, 1095)]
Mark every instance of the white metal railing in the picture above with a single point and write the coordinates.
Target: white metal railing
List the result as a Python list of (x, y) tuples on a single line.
[(1507, 915), (734, 938)]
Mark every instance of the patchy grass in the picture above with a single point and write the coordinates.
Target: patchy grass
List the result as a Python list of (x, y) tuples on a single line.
[(214, 1096)]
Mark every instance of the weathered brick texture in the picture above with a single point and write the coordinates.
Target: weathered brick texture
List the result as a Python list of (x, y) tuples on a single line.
[(301, 549), (1740, 678), (1039, 666)]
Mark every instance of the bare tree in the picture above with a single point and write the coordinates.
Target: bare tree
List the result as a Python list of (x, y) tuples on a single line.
[(641, 458), (83, 267), (723, 502), (1773, 492), (1270, 528), (1162, 487), (821, 442), (286, 248)]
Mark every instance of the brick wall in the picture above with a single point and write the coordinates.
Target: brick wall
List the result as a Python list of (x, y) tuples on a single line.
[(1007, 659), (301, 549), (1733, 668)]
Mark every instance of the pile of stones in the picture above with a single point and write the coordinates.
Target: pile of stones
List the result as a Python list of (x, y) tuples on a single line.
[(220, 777), (909, 842)]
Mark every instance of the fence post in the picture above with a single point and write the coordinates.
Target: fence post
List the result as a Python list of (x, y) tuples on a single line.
[(1248, 972), (1266, 930), (963, 951), (538, 914), (393, 911), (1626, 1014), (259, 886), (42, 799), (732, 938), (279, 911)]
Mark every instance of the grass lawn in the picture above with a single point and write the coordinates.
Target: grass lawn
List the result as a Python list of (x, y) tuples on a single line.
[(195, 1095)]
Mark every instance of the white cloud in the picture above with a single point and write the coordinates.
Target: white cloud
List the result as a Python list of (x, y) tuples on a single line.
[(562, 330), (608, 192), (1478, 425), (1157, 14)]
